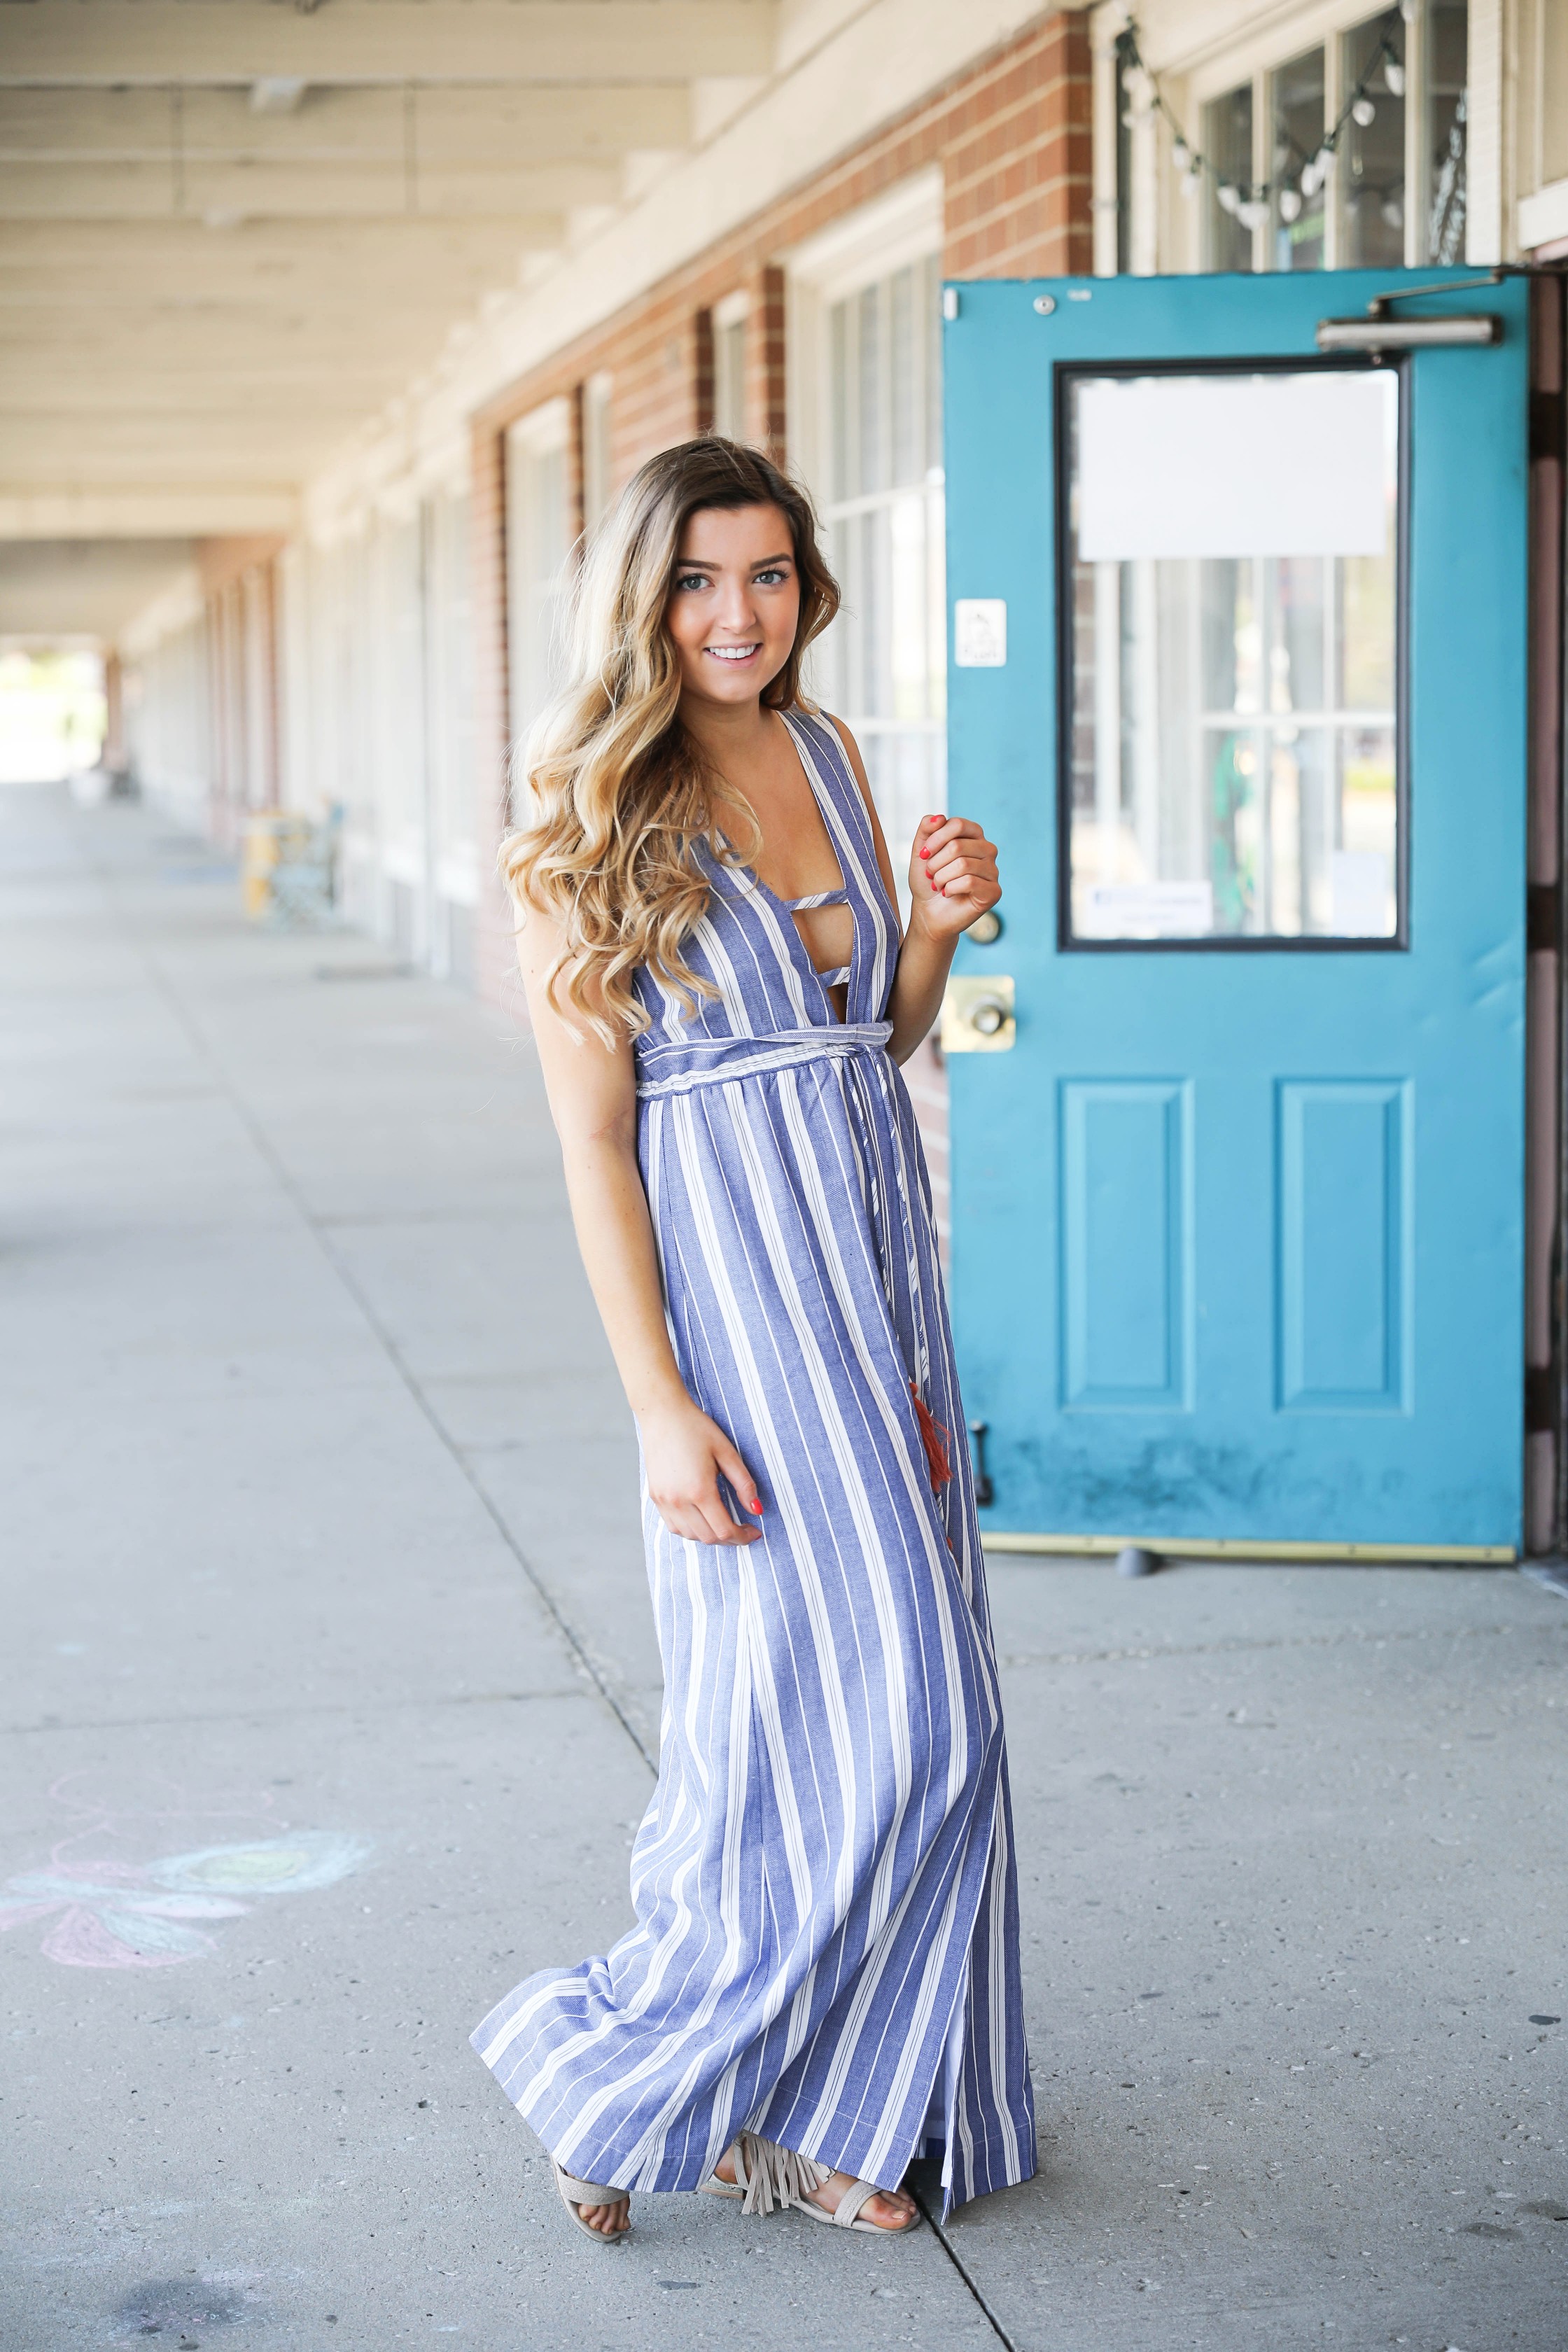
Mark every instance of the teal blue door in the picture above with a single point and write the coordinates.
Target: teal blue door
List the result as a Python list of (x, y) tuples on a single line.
[(1238, 685)]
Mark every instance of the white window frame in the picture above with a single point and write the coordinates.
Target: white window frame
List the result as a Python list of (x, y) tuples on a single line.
[(545, 432), (598, 478), (905, 225), (1167, 231), (730, 322)]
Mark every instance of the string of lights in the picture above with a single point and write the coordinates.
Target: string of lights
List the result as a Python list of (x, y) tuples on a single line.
[(1252, 200)]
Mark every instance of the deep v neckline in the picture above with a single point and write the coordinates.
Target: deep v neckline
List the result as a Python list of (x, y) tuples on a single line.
[(788, 908)]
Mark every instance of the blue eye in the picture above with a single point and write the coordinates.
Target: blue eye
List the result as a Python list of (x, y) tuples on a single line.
[(769, 578), (691, 580)]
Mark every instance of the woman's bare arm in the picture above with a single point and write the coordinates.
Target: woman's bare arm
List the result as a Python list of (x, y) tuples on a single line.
[(593, 1101), (952, 880)]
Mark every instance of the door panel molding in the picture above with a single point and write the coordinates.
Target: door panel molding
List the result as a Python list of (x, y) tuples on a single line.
[(1126, 1196), (1345, 1243)]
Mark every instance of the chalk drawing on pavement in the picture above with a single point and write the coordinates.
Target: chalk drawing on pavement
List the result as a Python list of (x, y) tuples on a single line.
[(110, 1912)]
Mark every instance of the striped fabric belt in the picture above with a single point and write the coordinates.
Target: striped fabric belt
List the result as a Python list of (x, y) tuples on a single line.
[(676, 1069)]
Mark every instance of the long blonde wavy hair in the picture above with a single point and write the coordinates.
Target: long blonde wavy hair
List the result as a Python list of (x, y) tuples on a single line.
[(620, 795)]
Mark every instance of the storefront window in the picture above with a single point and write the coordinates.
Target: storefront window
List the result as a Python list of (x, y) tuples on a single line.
[(883, 663), (1365, 161), (1297, 91), (1228, 143), (1372, 170)]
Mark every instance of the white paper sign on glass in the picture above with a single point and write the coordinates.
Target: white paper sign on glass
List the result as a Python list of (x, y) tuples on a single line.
[(1235, 464), (980, 632), (1146, 911), (1361, 889)]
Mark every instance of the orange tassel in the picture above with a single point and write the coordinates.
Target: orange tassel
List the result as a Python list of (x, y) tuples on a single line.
[(933, 1437)]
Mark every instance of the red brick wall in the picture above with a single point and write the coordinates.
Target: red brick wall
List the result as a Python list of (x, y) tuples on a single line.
[(1012, 137), (1017, 160), (765, 420)]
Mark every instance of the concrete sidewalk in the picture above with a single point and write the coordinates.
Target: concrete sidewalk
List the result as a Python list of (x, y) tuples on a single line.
[(329, 1710)]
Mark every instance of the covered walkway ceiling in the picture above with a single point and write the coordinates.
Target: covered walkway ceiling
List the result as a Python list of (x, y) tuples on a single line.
[(230, 230)]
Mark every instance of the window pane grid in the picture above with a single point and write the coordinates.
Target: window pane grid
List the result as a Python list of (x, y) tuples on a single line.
[(1227, 142), (1300, 97), (884, 659), (1382, 199), (1371, 184)]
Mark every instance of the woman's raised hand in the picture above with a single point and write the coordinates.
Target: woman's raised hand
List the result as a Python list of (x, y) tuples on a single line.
[(685, 1454), (952, 876)]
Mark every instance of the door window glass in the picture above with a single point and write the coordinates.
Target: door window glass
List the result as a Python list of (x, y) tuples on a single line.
[(1372, 181), (1298, 217), (1231, 760), (1228, 143), (883, 662)]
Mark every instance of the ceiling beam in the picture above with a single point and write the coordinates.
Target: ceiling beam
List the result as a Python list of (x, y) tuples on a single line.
[(194, 334), (270, 248), (119, 266), (101, 42), (502, 127), (153, 511), (44, 448), (224, 196), (39, 385), (343, 359)]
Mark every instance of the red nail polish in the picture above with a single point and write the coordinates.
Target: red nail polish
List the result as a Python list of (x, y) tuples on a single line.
[(756, 1507)]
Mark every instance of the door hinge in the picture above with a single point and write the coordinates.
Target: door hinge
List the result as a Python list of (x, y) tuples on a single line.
[(1540, 1399), (984, 1491), (1541, 926), (1548, 424)]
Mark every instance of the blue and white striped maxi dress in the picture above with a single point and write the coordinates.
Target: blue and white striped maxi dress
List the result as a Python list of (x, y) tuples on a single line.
[(826, 1941)]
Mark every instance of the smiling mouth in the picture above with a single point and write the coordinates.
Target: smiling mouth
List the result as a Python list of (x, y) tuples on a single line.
[(732, 653)]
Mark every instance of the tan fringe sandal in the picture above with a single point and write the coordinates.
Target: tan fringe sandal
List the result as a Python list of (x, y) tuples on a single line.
[(577, 2193), (767, 2175)]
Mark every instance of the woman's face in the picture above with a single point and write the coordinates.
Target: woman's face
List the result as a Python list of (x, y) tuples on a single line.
[(733, 603)]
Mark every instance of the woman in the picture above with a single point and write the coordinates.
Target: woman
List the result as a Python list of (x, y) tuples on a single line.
[(823, 1981)]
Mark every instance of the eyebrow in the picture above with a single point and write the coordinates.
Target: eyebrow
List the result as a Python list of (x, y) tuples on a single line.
[(763, 564)]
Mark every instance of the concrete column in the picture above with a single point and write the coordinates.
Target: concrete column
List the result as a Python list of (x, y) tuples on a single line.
[(114, 714), (495, 958)]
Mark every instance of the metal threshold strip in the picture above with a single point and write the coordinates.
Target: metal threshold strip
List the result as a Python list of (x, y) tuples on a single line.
[(1230, 1548)]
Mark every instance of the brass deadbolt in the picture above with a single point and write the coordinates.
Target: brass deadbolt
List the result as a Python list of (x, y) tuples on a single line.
[(977, 1015)]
